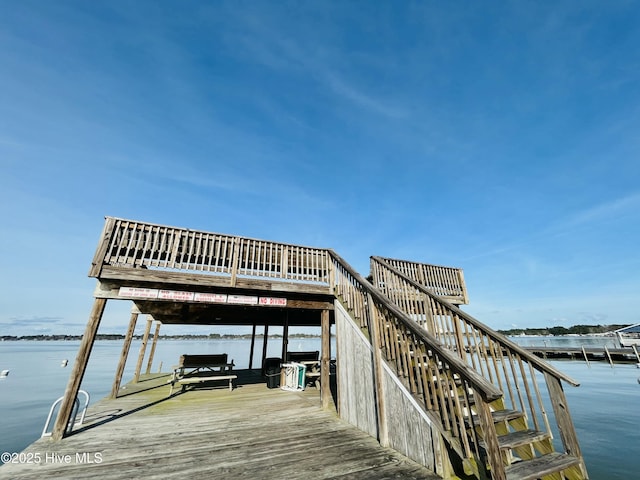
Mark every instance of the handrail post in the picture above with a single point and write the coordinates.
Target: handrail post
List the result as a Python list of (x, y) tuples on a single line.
[(490, 438), (563, 419), (374, 334), (332, 274), (235, 260), (101, 251)]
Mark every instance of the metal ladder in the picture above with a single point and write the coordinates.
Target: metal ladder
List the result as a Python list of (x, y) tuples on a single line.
[(74, 413)]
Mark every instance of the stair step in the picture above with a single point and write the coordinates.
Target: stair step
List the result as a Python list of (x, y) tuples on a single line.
[(540, 466), (517, 439), (500, 416), (523, 437)]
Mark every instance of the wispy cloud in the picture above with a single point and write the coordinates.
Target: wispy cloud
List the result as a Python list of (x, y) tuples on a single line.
[(28, 321), (263, 43), (606, 210), (357, 96)]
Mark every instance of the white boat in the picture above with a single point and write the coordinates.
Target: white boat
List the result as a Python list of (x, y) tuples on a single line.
[(4, 373), (629, 336)]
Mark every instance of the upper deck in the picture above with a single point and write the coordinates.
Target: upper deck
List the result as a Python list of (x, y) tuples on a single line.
[(179, 275)]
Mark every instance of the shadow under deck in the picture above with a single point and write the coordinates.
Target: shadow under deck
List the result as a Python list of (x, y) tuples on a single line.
[(251, 432)]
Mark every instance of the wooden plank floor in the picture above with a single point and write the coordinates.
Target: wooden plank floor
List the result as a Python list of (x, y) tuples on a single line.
[(250, 433)]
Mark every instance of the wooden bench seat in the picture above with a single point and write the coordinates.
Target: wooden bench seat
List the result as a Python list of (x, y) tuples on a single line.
[(202, 377)]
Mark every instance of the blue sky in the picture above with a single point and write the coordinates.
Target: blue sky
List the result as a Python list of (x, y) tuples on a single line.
[(499, 137)]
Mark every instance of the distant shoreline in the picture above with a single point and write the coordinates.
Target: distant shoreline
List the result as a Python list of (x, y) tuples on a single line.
[(214, 336), (557, 331)]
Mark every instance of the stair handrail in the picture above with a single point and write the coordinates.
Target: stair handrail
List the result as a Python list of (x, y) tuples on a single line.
[(429, 369), (481, 349), (487, 389), (533, 359)]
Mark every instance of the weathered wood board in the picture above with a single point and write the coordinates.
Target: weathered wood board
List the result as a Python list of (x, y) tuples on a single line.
[(252, 432)]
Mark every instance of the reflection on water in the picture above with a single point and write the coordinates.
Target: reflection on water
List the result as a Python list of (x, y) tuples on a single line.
[(605, 408)]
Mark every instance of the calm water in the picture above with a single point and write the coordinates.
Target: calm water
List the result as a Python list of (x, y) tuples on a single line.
[(605, 408)]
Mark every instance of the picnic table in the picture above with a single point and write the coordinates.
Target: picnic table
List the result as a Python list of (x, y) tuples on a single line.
[(196, 369)]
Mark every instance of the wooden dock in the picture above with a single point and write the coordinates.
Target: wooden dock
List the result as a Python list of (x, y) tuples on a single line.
[(606, 354), (249, 433)]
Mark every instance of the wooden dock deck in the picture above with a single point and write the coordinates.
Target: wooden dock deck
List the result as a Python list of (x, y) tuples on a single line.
[(611, 355), (249, 433)]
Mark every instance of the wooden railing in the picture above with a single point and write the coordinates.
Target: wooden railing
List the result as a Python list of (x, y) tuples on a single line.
[(438, 379), (513, 370), (446, 282), (130, 244)]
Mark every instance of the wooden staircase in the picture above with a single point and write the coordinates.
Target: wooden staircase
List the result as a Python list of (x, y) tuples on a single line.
[(520, 434)]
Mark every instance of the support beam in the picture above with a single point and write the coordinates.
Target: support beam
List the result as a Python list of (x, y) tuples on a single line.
[(285, 336), (79, 368), (124, 355), (325, 358), (253, 344), (156, 334), (264, 345), (143, 348)]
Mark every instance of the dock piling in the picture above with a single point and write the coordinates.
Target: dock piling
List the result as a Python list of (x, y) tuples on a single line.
[(636, 352), (609, 356), (586, 359)]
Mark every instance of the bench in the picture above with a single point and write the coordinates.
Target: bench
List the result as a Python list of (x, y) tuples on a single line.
[(194, 369), (202, 377)]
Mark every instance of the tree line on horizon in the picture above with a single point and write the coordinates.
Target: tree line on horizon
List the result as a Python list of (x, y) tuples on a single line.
[(555, 331), (559, 330), (117, 336)]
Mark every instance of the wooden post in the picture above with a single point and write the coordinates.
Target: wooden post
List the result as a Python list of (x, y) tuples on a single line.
[(609, 356), (253, 344), (381, 409), (636, 350), (285, 336), (284, 265), (586, 359), (563, 419), (143, 348), (490, 438), (325, 382), (332, 275), (153, 348), (264, 344), (124, 355), (79, 368), (235, 260)]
